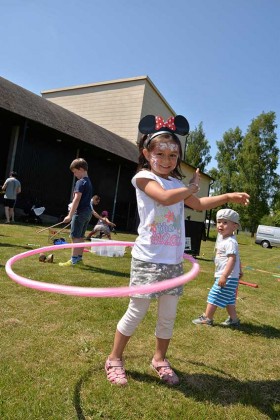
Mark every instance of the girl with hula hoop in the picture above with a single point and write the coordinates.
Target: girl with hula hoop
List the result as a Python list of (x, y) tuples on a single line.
[(158, 251)]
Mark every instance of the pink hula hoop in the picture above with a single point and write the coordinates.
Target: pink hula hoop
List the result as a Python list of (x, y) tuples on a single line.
[(92, 291)]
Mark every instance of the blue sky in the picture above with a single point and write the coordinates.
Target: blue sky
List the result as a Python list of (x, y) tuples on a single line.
[(214, 61)]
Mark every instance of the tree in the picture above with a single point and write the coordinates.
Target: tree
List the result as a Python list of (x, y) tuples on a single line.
[(256, 163), (216, 185), (271, 220), (228, 150), (248, 163), (225, 175), (276, 200), (197, 151)]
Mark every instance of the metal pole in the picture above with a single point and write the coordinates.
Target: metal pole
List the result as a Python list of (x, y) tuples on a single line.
[(210, 212), (14, 142), (116, 193)]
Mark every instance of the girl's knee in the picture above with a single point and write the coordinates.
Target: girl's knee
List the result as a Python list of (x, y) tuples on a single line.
[(164, 328), (167, 311), (136, 311)]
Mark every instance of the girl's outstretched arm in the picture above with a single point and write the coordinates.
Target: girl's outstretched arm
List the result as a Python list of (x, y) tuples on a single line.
[(207, 203)]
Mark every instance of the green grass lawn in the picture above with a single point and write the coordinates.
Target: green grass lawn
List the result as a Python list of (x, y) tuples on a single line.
[(53, 347)]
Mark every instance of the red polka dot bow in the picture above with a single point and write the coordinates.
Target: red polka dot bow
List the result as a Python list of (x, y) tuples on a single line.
[(154, 123), (160, 123)]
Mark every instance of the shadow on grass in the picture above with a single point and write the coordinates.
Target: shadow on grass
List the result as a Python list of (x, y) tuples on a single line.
[(210, 239), (98, 270), (224, 389), (2, 265), (262, 330), (77, 394), (204, 388), (204, 259), (6, 245)]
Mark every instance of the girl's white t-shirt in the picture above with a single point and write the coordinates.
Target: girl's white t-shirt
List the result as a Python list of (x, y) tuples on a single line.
[(161, 230)]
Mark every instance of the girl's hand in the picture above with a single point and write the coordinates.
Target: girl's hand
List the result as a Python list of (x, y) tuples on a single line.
[(193, 185), (196, 178), (239, 197), (193, 188)]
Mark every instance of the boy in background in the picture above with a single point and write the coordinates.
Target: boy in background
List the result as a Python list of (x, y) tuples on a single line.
[(80, 211), (227, 271)]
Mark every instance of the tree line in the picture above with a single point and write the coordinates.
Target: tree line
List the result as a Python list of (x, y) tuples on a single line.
[(245, 162)]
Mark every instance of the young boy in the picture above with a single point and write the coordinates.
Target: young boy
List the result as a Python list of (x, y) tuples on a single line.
[(80, 211), (227, 271)]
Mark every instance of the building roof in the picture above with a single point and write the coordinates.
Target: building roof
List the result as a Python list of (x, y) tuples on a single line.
[(110, 82), (22, 102)]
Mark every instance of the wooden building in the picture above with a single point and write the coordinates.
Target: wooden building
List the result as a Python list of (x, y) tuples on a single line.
[(98, 121), (117, 105), (39, 140)]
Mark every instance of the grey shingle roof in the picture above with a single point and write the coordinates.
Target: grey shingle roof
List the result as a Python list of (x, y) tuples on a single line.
[(22, 102)]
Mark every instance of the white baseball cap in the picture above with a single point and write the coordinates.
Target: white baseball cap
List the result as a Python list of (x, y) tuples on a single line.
[(228, 214)]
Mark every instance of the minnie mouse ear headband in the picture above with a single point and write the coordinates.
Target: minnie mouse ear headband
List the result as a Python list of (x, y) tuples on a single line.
[(155, 125)]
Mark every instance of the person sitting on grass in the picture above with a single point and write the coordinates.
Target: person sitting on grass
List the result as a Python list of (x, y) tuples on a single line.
[(102, 228)]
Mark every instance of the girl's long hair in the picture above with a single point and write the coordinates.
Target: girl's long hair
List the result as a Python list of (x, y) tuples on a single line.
[(144, 164)]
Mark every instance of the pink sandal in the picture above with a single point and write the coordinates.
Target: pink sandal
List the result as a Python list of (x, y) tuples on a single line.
[(115, 372), (165, 372)]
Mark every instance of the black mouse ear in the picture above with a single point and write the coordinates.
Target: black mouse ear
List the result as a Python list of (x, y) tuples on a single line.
[(182, 125), (147, 124)]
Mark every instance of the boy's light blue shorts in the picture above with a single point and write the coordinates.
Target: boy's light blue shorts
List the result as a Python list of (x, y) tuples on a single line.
[(223, 296)]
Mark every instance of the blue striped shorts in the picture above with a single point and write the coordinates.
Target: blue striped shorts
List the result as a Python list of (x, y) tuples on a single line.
[(223, 296)]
